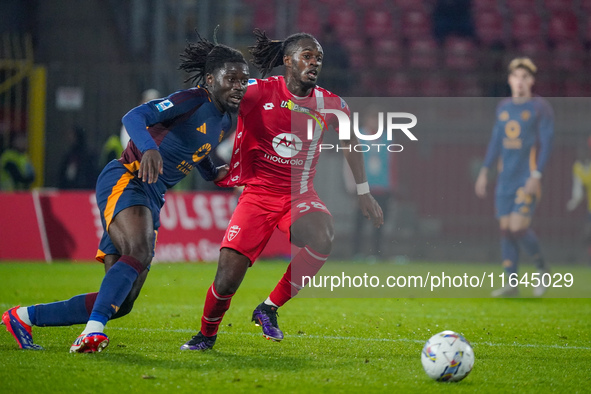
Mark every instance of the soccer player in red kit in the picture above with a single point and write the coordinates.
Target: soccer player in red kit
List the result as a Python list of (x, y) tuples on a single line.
[(275, 159)]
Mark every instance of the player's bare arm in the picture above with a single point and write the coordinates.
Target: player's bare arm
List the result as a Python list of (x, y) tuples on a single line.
[(481, 182), (368, 205)]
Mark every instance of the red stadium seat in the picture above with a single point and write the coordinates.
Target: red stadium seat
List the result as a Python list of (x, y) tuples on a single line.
[(368, 85), (344, 21), (309, 22), (416, 24), (400, 85), (388, 54), (359, 60), (525, 26), (355, 44), (408, 5), (559, 5), (467, 86), (537, 51), (485, 5), (336, 3), (547, 87), (587, 32), (371, 3), (357, 49), (423, 54), (460, 53), (264, 17), (378, 24), (563, 26), (532, 47), (435, 86), (489, 27), (568, 56), (574, 88), (514, 6)]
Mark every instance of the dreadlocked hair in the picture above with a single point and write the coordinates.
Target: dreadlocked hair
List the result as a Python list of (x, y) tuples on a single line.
[(204, 57), (267, 53)]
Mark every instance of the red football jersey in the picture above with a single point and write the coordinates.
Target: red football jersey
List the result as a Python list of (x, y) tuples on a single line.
[(272, 147)]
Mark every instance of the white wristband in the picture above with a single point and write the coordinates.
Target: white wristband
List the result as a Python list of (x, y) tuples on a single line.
[(362, 188), (536, 174)]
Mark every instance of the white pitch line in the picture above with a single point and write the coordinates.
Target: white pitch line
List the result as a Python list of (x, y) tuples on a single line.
[(340, 338)]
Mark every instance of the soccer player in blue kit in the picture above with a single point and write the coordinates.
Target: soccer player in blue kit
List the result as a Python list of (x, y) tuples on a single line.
[(522, 141), (169, 137)]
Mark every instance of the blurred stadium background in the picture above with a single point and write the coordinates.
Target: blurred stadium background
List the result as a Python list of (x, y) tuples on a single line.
[(66, 64)]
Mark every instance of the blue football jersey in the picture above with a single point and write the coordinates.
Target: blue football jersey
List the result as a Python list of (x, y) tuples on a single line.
[(185, 127), (521, 140)]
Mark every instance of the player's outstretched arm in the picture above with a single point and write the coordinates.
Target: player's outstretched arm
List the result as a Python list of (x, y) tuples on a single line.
[(369, 206), (150, 166)]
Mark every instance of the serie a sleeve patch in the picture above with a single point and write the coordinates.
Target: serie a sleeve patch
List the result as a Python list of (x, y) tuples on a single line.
[(164, 105)]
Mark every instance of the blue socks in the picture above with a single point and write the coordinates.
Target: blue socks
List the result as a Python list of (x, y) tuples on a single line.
[(509, 252), (92, 306), (76, 310), (528, 239), (510, 242), (115, 287)]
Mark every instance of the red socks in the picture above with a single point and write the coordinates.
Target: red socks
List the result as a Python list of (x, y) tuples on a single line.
[(213, 311), (303, 266), (306, 263)]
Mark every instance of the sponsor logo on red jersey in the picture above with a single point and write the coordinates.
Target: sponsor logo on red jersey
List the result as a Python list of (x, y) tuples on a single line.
[(233, 232), (287, 144)]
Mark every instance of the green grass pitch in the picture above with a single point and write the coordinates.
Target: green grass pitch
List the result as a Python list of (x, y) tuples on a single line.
[(331, 345)]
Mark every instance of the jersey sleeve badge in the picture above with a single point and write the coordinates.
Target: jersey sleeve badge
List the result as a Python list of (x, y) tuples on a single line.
[(164, 105)]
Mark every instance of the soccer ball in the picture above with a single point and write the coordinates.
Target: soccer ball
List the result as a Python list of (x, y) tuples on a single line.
[(447, 357)]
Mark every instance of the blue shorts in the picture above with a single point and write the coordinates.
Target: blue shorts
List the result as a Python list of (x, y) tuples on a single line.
[(521, 203), (118, 188)]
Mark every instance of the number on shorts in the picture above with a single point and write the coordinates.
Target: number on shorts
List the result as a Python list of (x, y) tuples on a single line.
[(305, 207)]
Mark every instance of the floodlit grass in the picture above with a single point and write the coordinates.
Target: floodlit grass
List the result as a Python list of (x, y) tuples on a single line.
[(331, 344)]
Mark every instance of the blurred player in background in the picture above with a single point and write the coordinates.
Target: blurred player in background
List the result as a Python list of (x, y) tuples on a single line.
[(16, 170), (276, 161), (582, 186), (522, 140), (78, 169), (169, 138)]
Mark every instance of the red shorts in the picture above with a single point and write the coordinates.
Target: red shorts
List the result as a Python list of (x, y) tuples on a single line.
[(259, 212)]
